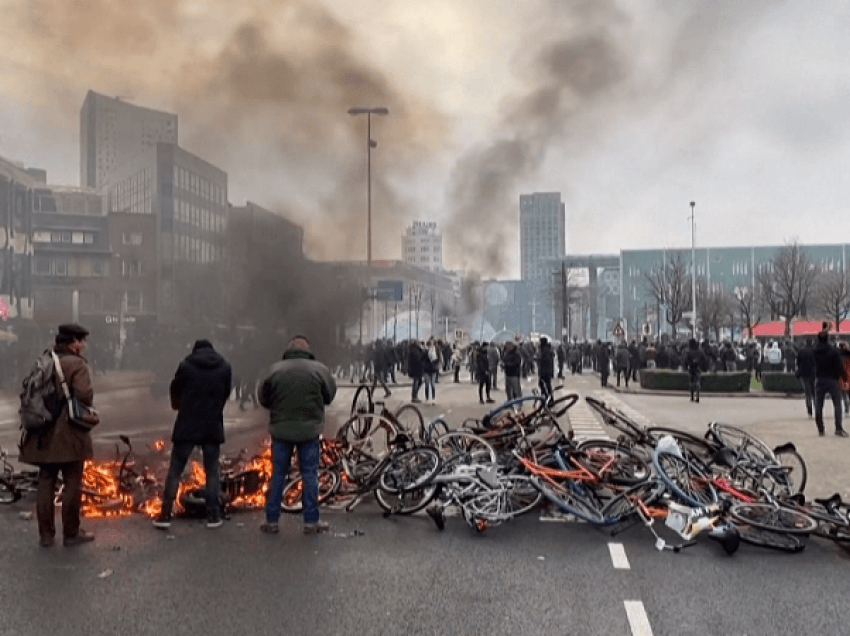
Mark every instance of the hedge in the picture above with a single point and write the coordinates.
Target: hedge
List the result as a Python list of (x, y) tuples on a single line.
[(781, 383), (666, 380)]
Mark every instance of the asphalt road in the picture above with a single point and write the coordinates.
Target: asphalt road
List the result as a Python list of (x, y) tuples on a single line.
[(403, 576)]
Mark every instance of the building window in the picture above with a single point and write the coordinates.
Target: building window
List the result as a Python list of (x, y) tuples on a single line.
[(131, 268), (42, 266), (89, 238), (135, 302), (77, 238), (41, 236), (131, 238), (98, 268), (60, 267)]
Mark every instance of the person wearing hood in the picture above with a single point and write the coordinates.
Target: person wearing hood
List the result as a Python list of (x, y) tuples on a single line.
[(694, 363), (296, 392), (199, 392)]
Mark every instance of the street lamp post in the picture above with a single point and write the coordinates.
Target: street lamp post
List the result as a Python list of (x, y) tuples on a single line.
[(693, 271), (370, 143)]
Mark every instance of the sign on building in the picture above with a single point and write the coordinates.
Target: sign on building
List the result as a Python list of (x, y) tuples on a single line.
[(390, 290)]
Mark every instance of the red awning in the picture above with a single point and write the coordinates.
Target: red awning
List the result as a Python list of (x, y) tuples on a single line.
[(776, 329)]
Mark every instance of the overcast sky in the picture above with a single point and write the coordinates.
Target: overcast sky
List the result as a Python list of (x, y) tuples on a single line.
[(630, 109)]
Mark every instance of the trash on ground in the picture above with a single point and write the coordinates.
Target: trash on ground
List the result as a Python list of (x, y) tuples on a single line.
[(104, 574), (26, 516)]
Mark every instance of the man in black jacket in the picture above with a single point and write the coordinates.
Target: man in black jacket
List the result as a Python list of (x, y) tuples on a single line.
[(545, 368), (512, 362), (482, 371), (414, 369), (807, 373), (829, 369), (199, 391)]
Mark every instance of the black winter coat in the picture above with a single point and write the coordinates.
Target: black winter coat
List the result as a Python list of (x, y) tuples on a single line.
[(512, 362), (546, 362), (828, 363), (199, 391), (414, 361), (482, 363), (806, 364)]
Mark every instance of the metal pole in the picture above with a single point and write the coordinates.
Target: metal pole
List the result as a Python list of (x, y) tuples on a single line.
[(369, 191), (693, 270), (565, 307)]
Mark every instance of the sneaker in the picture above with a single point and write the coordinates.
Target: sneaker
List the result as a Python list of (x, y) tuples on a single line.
[(214, 521), (416, 401), (316, 528), (269, 528), (821, 433), (82, 537), (481, 401), (388, 394), (46, 541), (163, 521), (490, 401), (841, 433)]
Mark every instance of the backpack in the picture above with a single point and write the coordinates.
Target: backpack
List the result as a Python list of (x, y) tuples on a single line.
[(41, 402)]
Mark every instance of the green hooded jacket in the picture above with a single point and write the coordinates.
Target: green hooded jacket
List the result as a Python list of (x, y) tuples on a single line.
[(296, 392)]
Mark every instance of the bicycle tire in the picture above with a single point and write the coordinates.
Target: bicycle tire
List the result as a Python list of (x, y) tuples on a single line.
[(362, 401), (436, 427), (780, 519), (741, 441), (569, 500), (628, 468), (410, 469), (615, 418), (364, 431), (698, 448), (772, 540), (406, 502), (832, 525), (8, 493), (559, 406), (684, 478), (410, 420), (292, 501), (798, 473), (515, 495), (625, 504), (460, 447)]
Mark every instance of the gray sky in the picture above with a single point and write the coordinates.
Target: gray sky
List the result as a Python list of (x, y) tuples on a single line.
[(630, 109)]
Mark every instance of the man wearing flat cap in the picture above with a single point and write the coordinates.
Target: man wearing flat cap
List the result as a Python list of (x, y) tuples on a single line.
[(63, 446), (199, 392)]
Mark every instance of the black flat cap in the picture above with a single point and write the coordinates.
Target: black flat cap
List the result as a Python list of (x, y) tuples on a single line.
[(73, 330)]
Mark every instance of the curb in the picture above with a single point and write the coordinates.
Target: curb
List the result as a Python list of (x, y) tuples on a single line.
[(759, 395)]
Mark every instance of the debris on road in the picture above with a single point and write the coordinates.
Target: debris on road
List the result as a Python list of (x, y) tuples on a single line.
[(25, 516), (104, 574)]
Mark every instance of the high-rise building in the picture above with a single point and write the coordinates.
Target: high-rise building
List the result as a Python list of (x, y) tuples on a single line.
[(422, 246), (543, 233), (112, 132)]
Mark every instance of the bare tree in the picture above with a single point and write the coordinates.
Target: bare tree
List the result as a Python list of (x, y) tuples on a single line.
[(713, 305), (670, 285), (786, 282), (747, 302), (416, 291), (831, 295)]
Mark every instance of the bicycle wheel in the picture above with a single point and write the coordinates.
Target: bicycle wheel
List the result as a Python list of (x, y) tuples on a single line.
[(613, 463), (436, 427), (796, 471), (559, 406), (692, 445), (684, 479), (615, 418), (627, 502), (772, 540), (773, 518), (362, 402), (8, 493), (461, 448), (370, 433), (406, 502), (410, 420), (742, 442), (570, 498), (514, 495), (294, 490), (410, 469)]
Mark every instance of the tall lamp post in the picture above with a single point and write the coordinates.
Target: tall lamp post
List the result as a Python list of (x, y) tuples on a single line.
[(370, 143), (693, 270)]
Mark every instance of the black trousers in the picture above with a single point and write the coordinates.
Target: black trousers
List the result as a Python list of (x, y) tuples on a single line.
[(809, 388), (72, 497), (822, 387), (483, 383)]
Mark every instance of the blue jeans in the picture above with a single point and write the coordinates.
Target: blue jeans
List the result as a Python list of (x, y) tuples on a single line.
[(308, 460), (430, 383), (180, 453)]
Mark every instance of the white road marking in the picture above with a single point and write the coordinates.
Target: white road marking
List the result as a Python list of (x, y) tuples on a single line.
[(638, 619), (618, 556)]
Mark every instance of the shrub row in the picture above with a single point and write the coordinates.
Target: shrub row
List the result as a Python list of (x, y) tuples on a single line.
[(781, 382), (722, 382)]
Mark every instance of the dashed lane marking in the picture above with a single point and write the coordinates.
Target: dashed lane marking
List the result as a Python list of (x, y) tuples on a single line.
[(638, 620), (618, 556), (584, 423), (618, 404)]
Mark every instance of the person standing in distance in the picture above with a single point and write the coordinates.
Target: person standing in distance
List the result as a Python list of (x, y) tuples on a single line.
[(296, 393), (829, 370), (63, 446), (199, 392)]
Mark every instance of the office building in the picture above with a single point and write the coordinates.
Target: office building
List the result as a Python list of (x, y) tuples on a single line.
[(542, 222), (422, 246), (112, 132)]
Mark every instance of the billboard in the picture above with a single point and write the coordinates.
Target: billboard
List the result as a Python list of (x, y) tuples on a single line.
[(390, 290)]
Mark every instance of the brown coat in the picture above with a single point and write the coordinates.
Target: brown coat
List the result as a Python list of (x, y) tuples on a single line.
[(64, 442)]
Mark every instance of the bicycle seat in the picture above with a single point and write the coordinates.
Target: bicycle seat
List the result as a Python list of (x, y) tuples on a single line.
[(788, 447), (831, 503), (725, 457)]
